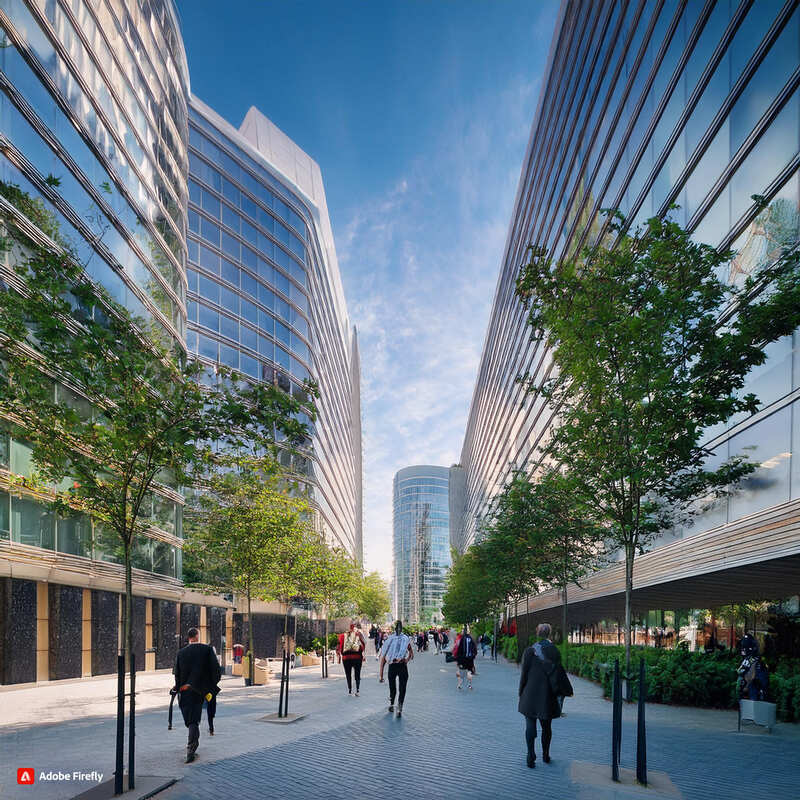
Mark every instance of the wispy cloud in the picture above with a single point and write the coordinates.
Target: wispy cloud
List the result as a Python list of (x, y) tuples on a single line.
[(420, 264)]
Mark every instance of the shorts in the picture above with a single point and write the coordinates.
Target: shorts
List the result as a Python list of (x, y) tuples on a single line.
[(468, 664)]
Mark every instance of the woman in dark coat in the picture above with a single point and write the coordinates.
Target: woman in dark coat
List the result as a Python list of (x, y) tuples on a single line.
[(543, 684)]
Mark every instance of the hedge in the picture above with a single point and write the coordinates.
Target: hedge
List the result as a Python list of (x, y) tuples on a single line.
[(704, 680)]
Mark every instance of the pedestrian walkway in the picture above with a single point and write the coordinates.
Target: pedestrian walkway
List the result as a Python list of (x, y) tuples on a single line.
[(448, 744)]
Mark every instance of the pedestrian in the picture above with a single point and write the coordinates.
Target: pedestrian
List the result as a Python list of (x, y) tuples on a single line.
[(397, 651), (486, 641), (197, 673), (464, 650), (436, 641), (211, 704), (543, 684), (378, 637), (351, 651)]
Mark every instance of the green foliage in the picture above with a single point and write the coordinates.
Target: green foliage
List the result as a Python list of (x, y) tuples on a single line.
[(678, 677), (509, 647), (373, 600), (643, 365)]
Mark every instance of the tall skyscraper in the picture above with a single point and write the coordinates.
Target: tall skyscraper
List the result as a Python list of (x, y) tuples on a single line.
[(265, 295), (421, 525), (646, 105)]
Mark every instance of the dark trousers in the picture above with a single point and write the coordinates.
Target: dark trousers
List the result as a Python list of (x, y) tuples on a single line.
[(350, 667), (530, 735), (191, 704), (397, 672)]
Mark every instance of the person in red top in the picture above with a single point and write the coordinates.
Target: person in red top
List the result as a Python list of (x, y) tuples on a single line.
[(351, 651)]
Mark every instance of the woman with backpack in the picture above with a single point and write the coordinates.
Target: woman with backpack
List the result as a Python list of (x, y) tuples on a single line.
[(464, 651), (351, 649)]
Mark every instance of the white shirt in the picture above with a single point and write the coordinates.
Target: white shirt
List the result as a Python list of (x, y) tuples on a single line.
[(396, 646)]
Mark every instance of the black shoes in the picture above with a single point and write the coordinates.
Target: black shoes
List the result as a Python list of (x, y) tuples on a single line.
[(191, 750), (210, 730), (391, 708), (546, 758), (399, 711), (531, 761)]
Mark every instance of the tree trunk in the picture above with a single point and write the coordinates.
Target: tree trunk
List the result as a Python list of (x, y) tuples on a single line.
[(325, 648), (128, 646), (629, 555), (251, 665), (564, 637)]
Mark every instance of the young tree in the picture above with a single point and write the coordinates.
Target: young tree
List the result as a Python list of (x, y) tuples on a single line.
[(373, 600), (651, 348), (567, 541), (243, 526), (104, 405), (334, 581)]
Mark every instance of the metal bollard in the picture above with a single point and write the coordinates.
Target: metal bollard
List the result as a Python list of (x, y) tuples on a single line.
[(616, 723), (641, 733)]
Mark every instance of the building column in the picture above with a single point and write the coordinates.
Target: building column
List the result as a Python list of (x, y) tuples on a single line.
[(149, 652), (229, 636), (42, 632), (204, 624), (86, 634)]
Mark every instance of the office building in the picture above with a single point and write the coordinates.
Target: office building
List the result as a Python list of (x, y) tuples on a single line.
[(645, 105), (265, 295), (421, 528)]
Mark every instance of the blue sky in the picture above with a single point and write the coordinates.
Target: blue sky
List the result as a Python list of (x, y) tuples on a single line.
[(418, 113)]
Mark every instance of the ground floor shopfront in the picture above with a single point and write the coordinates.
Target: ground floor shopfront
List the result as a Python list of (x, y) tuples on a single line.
[(753, 560)]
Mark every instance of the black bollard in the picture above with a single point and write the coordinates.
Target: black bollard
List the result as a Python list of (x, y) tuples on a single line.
[(641, 734), (132, 725), (286, 693), (120, 724), (616, 722), (283, 677)]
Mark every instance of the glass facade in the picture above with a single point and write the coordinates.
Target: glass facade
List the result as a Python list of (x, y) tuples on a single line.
[(421, 533), (261, 274), (93, 126), (647, 105)]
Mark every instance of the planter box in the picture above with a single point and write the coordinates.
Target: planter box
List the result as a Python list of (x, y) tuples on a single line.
[(236, 669), (261, 673), (307, 660), (758, 711)]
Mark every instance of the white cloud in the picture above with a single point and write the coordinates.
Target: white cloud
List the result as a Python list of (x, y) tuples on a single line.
[(420, 266)]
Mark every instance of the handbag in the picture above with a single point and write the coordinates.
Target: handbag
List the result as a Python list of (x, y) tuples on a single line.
[(449, 657)]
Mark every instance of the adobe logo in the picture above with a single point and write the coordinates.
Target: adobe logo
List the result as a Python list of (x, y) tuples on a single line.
[(26, 776)]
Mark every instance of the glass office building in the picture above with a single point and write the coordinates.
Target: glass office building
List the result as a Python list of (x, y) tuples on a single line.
[(421, 527), (646, 105), (94, 95), (265, 295)]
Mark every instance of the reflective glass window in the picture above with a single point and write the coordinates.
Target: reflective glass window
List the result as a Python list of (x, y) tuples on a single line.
[(282, 307), (211, 204), (192, 252), (230, 192), (208, 318), (266, 272), (32, 523), (266, 323), (74, 535), (230, 218), (195, 193), (249, 311), (265, 296), (282, 357), (191, 310), (230, 272), (191, 277), (766, 443), (229, 327), (230, 246), (194, 221), (229, 356), (249, 366), (281, 283), (249, 207), (229, 300), (249, 338), (282, 333), (208, 259), (209, 289), (207, 347), (209, 231), (249, 285), (266, 348), (249, 258)]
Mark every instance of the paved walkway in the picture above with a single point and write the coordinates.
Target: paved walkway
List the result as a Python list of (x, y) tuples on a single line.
[(448, 744)]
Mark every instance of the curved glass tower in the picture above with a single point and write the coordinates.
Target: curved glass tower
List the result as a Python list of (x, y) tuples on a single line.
[(421, 525), (93, 128), (265, 295), (647, 105)]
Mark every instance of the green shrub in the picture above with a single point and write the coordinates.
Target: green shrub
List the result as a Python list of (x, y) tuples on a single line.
[(705, 680)]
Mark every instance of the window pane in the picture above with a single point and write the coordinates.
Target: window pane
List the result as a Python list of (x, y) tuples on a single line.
[(5, 501), (75, 536), (31, 523)]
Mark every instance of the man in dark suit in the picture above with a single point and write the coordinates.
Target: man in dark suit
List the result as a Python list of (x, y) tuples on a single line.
[(197, 673), (543, 684)]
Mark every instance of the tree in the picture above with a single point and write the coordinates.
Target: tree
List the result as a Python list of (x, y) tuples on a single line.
[(469, 593), (334, 582), (373, 600), (565, 538), (103, 403), (650, 349), (242, 524)]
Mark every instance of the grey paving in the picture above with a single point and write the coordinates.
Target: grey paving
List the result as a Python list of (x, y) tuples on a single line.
[(448, 744)]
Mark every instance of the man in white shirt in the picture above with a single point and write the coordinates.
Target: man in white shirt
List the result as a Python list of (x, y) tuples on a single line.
[(397, 651)]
